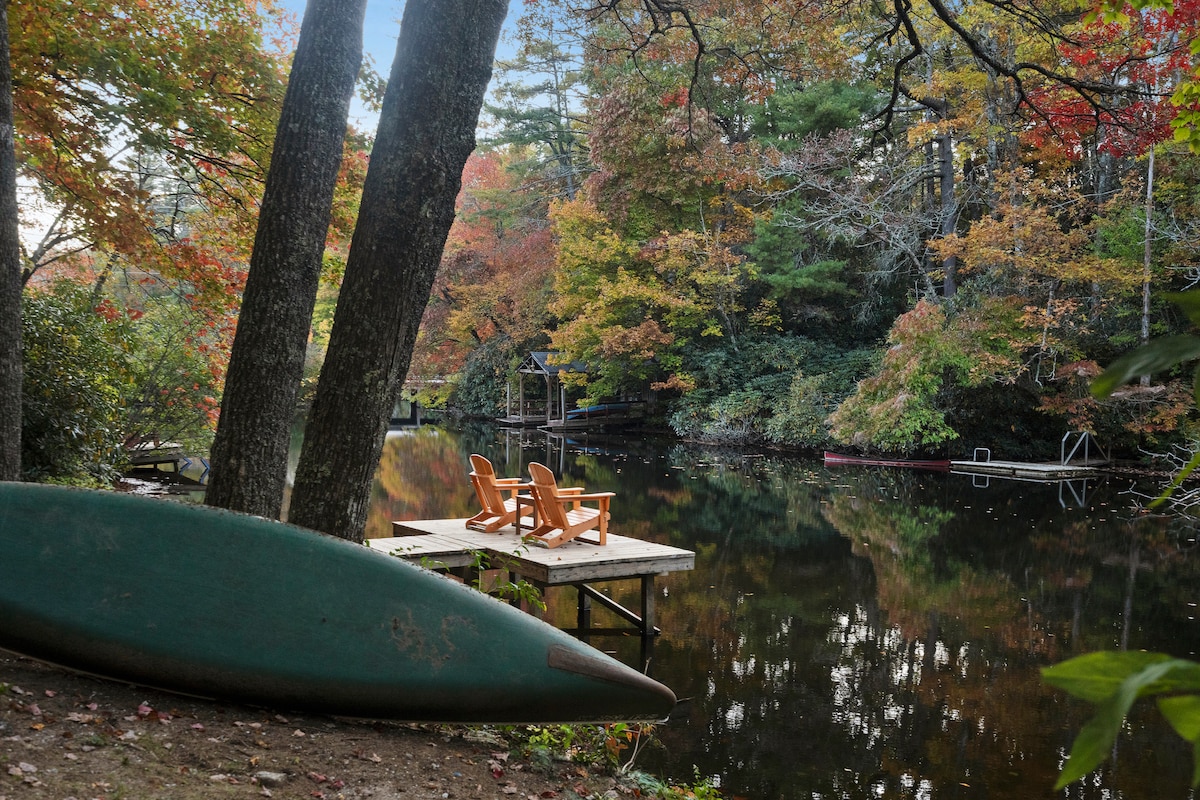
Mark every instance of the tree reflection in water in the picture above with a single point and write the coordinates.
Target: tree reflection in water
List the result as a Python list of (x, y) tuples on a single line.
[(861, 632)]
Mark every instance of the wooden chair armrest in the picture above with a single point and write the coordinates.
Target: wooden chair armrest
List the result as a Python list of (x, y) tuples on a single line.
[(596, 495), (576, 499), (570, 489)]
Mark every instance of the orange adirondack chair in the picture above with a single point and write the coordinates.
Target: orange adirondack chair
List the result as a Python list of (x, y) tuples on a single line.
[(561, 512), (497, 511)]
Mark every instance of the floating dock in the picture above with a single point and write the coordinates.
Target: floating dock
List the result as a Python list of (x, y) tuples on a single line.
[(449, 545), (1021, 469)]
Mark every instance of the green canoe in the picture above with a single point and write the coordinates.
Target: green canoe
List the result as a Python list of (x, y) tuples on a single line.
[(218, 604)]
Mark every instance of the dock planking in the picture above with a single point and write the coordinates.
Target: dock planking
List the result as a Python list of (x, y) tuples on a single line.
[(449, 544), (1021, 469)]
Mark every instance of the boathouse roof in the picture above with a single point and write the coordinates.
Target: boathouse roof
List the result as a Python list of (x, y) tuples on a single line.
[(538, 363)]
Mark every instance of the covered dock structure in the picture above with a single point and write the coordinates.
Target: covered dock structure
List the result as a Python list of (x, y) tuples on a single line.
[(548, 404)]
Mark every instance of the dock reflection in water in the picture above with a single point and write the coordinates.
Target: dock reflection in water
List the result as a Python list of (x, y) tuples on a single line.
[(858, 633)]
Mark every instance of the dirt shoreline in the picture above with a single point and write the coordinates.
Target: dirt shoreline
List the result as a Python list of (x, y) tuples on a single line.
[(66, 736)]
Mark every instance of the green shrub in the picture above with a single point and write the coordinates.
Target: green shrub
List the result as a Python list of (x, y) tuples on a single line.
[(479, 391), (799, 417), (174, 392), (77, 377)]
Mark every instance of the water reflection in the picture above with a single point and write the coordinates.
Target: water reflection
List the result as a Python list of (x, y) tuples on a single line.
[(861, 632)]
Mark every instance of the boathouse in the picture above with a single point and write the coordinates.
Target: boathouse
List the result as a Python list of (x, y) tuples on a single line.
[(544, 400)]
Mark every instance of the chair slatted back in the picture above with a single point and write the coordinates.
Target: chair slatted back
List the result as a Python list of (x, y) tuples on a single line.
[(483, 475), (545, 489)]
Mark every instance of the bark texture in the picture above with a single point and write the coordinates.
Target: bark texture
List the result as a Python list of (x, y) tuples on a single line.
[(427, 129), (249, 455), (10, 275)]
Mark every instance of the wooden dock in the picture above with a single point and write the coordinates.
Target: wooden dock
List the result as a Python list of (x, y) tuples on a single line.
[(448, 544), (1019, 469)]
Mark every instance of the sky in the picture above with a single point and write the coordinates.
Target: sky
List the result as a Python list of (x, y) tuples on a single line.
[(380, 30)]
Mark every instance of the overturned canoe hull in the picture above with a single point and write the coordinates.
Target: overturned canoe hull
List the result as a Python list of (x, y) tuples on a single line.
[(213, 603)]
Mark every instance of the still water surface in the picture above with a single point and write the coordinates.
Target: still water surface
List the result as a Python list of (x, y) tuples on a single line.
[(860, 632)]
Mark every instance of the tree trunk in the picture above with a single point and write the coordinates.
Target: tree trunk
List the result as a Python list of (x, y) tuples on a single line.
[(1104, 183), (10, 275), (427, 129), (949, 210), (1147, 255), (249, 454)]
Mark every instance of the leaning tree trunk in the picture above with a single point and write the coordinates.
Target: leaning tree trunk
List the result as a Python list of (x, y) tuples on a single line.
[(249, 454), (10, 275), (427, 129)]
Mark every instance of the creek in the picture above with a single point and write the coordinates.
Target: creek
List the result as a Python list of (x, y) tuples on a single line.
[(860, 632)]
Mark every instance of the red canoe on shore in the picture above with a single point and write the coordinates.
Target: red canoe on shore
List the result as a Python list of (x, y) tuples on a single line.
[(941, 465)]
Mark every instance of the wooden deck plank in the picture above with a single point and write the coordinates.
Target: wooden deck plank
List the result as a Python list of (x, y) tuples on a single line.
[(572, 563)]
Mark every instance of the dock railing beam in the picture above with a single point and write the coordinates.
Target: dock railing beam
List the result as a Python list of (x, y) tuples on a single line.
[(644, 624), (1085, 438)]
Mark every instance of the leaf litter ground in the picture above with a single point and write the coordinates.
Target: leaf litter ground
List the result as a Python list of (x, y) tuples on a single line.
[(65, 736)]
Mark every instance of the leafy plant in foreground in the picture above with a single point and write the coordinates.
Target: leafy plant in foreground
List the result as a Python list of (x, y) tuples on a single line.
[(1161, 354), (1114, 680)]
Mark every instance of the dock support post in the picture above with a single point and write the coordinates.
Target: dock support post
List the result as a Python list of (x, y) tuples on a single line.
[(647, 624), (583, 615)]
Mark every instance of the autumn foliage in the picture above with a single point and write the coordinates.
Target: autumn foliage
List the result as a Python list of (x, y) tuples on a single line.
[(773, 193), (143, 132), (791, 222)]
